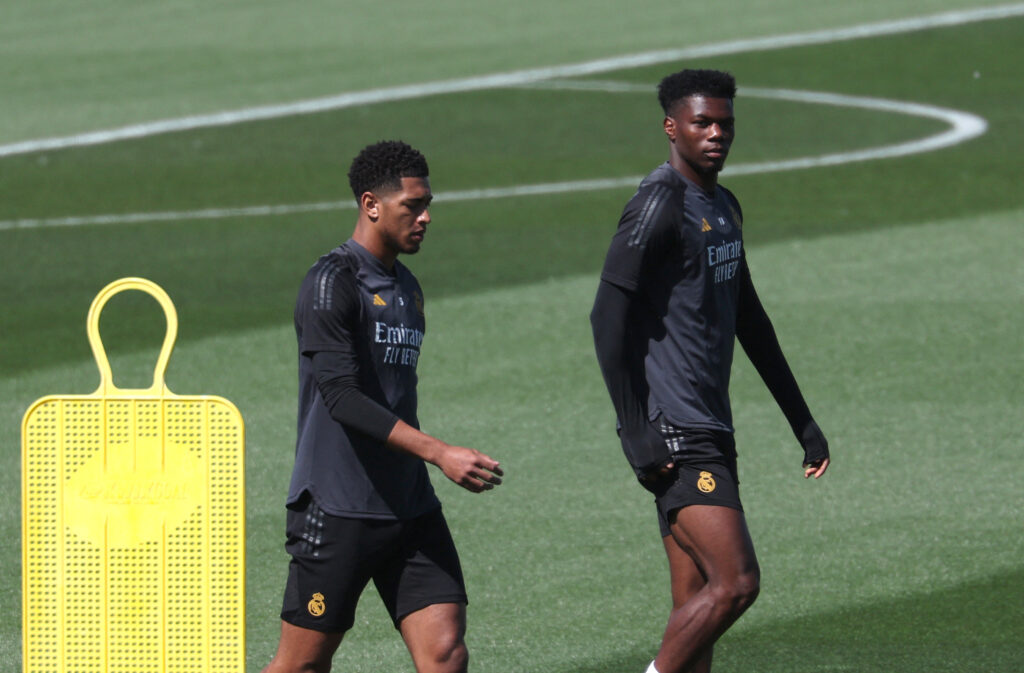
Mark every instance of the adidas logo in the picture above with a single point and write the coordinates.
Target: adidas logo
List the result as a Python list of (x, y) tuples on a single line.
[(377, 301), (704, 226)]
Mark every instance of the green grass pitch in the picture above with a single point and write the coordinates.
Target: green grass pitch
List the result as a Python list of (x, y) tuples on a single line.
[(895, 285)]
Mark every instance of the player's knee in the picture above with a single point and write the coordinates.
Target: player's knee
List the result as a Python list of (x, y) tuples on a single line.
[(737, 593), (301, 664), (450, 654), (744, 590)]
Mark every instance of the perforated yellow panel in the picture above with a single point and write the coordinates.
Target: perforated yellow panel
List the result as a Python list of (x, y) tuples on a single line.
[(133, 535)]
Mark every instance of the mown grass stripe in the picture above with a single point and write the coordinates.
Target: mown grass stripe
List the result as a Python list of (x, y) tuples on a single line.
[(514, 78)]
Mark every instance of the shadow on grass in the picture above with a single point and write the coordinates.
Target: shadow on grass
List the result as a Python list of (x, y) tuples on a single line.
[(973, 627)]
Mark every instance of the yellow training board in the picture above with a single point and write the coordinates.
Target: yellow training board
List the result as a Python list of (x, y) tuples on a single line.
[(133, 536)]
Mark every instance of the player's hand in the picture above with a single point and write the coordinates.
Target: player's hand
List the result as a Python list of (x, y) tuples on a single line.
[(470, 469), (658, 473), (657, 477), (647, 453), (815, 469), (816, 454)]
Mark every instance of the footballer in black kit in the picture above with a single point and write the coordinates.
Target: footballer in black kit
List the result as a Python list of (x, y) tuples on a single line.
[(360, 503), (362, 323), (675, 295)]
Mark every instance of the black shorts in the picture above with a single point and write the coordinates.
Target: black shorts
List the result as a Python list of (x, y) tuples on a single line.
[(412, 563), (705, 473)]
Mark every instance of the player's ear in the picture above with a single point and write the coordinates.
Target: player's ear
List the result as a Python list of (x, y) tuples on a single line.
[(670, 128), (370, 204)]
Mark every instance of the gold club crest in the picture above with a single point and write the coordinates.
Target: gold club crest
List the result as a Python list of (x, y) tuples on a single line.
[(706, 483), (316, 605)]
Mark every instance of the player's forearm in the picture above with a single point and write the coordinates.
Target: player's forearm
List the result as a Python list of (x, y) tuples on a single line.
[(757, 336), (407, 439), (469, 468), (762, 347), (338, 382), (767, 357)]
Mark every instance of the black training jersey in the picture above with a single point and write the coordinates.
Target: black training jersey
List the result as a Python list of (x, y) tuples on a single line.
[(349, 301), (681, 251)]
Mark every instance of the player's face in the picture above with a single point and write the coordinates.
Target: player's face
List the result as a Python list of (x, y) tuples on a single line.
[(404, 215), (701, 131)]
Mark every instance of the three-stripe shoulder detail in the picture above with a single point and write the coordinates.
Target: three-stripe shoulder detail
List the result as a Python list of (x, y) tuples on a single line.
[(327, 277), (648, 216)]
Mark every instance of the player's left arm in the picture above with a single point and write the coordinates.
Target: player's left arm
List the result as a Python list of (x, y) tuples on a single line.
[(757, 336), (471, 469)]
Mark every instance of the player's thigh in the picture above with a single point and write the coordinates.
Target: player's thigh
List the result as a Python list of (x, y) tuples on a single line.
[(710, 482), (717, 539), (303, 649), (426, 572), (687, 579), (333, 559), (436, 635), (701, 510)]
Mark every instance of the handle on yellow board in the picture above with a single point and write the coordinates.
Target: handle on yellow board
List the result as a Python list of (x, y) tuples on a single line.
[(107, 386)]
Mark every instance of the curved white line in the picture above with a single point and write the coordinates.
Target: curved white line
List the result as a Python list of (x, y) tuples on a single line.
[(514, 78), (963, 126)]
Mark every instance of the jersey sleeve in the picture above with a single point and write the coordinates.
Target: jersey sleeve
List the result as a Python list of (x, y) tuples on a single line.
[(328, 323), (337, 377), (328, 314), (645, 230)]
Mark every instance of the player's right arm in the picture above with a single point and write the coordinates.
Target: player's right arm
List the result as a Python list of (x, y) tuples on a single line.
[(623, 376), (644, 234)]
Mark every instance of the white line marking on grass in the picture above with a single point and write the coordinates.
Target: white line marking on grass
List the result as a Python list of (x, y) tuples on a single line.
[(171, 215), (954, 18), (963, 126)]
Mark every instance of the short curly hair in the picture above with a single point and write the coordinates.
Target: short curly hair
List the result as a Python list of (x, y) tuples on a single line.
[(383, 165), (685, 83)]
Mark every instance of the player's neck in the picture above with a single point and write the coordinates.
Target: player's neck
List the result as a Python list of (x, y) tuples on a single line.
[(374, 244), (706, 181)]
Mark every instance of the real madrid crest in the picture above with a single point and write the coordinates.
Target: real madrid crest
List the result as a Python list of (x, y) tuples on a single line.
[(705, 482), (316, 605)]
